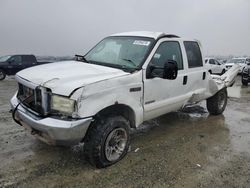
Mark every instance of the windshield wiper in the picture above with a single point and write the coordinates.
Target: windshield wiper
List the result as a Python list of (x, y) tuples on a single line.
[(130, 61), (122, 67), (81, 58)]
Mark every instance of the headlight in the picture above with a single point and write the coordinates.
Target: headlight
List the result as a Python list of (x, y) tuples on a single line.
[(62, 104)]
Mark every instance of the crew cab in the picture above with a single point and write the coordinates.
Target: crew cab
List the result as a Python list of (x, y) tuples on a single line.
[(241, 61), (124, 80), (11, 64), (214, 66)]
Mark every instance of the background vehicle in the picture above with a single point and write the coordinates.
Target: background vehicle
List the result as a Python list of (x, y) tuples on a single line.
[(245, 77), (214, 66), (124, 80), (242, 61), (10, 65)]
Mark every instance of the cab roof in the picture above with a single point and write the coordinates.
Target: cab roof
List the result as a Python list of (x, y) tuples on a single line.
[(150, 34)]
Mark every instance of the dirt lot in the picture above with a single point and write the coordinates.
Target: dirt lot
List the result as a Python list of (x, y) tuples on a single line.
[(182, 149)]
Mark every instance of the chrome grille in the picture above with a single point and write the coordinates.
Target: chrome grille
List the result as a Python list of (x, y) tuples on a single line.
[(33, 99)]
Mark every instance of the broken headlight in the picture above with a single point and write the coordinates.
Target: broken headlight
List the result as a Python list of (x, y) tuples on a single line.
[(62, 104)]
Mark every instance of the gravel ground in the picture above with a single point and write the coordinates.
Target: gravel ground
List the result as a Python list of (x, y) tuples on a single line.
[(182, 149)]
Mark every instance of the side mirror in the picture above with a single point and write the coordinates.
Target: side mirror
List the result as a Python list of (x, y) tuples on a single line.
[(170, 70), (11, 61)]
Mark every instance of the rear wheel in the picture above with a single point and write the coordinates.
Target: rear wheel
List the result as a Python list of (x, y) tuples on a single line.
[(2, 74), (244, 82), (217, 103), (107, 141)]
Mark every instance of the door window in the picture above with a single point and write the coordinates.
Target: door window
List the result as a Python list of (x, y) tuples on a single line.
[(169, 50), (211, 61), (193, 54), (29, 58), (16, 59)]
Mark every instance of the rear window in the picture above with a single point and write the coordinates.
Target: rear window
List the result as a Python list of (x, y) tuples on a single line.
[(193, 54), (28, 58)]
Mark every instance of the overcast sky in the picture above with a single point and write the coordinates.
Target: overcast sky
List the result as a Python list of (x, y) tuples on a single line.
[(66, 27)]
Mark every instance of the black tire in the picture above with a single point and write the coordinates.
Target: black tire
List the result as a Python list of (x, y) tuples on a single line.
[(244, 82), (95, 142), (217, 103), (2, 74)]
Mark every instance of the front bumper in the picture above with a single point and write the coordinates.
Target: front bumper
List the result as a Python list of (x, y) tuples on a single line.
[(51, 130)]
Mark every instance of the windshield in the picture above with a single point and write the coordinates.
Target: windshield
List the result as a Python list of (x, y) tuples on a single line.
[(120, 52), (237, 61), (4, 58)]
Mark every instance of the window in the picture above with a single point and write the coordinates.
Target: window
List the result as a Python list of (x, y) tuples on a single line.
[(167, 51), (193, 54), (16, 59), (211, 61), (217, 62), (28, 58)]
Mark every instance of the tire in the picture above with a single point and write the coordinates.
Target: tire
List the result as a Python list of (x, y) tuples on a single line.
[(217, 103), (244, 82), (2, 74), (101, 147)]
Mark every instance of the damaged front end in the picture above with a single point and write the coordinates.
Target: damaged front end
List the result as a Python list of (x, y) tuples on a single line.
[(41, 113)]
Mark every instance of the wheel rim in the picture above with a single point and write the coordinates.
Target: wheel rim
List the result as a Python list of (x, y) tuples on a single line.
[(115, 144), (222, 100)]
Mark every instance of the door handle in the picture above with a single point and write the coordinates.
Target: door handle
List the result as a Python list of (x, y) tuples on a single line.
[(185, 78), (204, 76)]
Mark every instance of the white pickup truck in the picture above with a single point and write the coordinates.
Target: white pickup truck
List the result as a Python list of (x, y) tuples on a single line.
[(124, 80)]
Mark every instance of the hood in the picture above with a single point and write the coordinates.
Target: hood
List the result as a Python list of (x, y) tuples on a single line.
[(229, 64), (66, 76)]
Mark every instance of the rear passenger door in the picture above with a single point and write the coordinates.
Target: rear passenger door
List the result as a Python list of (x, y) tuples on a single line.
[(28, 61), (197, 74)]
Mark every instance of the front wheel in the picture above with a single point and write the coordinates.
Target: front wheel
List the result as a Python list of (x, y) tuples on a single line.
[(217, 103), (2, 74), (107, 141)]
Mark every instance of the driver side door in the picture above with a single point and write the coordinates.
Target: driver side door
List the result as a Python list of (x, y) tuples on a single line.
[(163, 95)]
